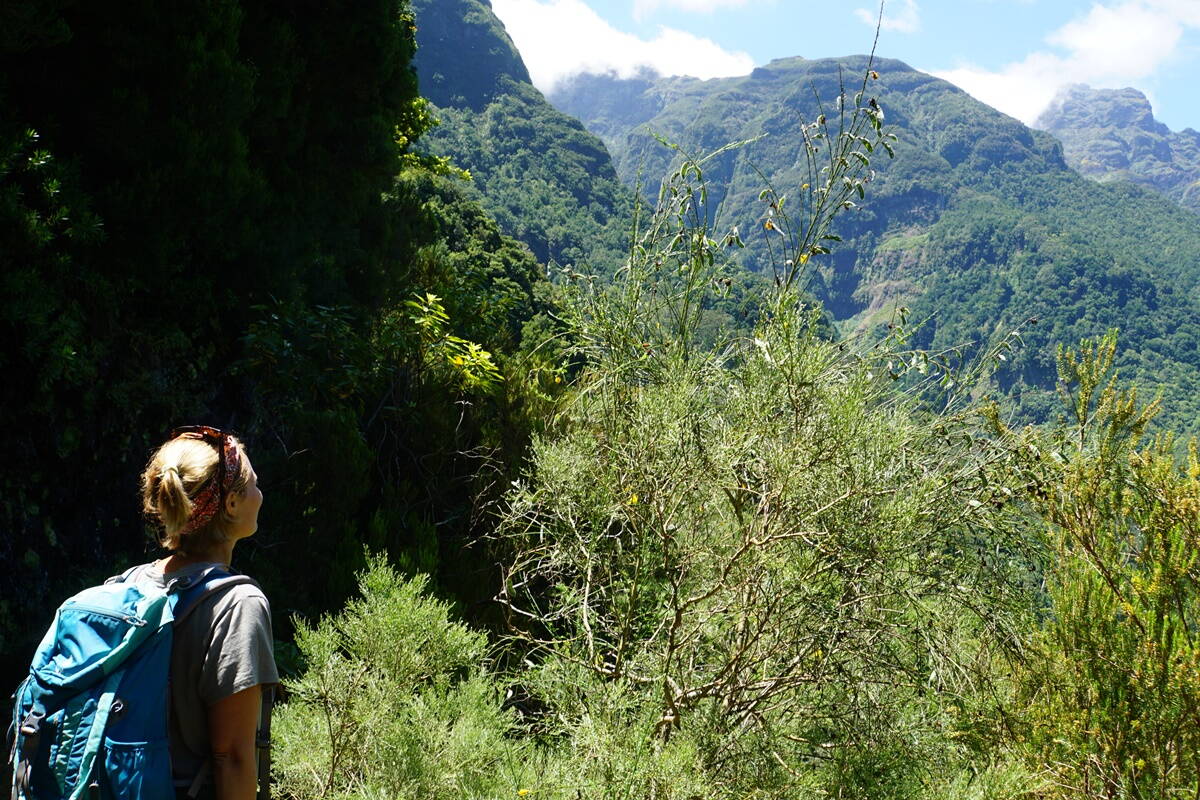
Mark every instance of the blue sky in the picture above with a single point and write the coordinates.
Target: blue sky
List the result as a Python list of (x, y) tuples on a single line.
[(1012, 54)]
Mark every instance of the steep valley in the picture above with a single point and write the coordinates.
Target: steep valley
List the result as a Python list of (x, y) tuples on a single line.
[(978, 228)]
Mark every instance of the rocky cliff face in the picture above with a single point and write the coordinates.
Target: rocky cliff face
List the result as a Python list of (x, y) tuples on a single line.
[(1111, 134)]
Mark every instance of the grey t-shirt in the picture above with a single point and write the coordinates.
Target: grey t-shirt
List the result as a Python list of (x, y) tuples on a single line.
[(223, 646)]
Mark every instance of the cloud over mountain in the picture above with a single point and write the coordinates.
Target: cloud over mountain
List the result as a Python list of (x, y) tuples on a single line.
[(560, 38), (1112, 45)]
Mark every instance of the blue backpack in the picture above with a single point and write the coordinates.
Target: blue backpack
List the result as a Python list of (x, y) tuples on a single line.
[(91, 718)]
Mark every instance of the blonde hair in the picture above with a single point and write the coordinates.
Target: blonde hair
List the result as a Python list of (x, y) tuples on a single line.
[(177, 472)]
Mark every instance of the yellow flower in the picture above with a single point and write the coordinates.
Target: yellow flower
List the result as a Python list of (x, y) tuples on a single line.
[(633, 499), (558, 378), (522, 792)]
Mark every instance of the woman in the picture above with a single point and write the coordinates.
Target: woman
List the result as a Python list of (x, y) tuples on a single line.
[(201, 490)]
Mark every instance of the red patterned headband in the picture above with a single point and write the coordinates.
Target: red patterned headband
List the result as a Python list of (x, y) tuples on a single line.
[(208, 500)]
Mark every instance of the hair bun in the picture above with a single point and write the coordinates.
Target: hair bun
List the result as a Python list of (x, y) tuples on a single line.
[(182, 465)]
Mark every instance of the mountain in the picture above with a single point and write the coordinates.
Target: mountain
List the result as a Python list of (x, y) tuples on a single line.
[(1111, 135), (978, 225), (547, 181)]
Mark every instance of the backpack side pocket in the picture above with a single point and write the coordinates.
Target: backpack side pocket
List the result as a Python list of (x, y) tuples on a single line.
[(138, 770)]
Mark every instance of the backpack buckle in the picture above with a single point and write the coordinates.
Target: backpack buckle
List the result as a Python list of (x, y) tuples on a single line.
[(32, 724), (31, 734)]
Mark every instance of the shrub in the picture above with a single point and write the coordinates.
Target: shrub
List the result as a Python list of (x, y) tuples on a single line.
[(394, 701), (1112, 686), (765, 561)]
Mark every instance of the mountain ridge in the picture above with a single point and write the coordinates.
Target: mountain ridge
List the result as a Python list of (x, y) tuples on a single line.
[(976, 226)]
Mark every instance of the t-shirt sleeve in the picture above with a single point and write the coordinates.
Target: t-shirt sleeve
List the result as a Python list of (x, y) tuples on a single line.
[(241, 653)]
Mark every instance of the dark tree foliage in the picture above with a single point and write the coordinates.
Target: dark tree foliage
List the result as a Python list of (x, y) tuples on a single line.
[(371, 435), (200, 221)]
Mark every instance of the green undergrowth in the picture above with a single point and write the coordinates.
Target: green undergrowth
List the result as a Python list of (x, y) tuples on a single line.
[(775, 565)]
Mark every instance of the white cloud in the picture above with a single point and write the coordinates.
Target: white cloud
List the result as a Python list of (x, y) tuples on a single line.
[(560, 38), (643, 8), (906, 20), (1112, 45)]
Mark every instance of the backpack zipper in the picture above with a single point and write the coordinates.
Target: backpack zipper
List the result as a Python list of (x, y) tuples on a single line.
[(105, 612)]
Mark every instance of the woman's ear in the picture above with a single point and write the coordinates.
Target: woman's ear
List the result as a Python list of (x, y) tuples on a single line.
[(231, 503)]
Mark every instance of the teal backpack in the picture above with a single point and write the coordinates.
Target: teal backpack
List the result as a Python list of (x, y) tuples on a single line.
[(90, 721)]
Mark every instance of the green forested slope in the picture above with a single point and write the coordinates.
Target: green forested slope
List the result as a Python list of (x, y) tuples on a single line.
[(547, 181), (977, 224), (1112, 135)]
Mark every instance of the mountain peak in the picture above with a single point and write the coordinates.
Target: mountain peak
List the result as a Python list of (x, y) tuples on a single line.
[(1111, 134), (465, 57), (1081, 105)]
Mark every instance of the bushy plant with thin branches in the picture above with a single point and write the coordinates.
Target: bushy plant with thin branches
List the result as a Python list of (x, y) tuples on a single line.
[(1111, 684), (764, 556)]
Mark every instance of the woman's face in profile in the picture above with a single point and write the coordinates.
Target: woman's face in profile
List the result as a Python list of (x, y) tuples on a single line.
[(243, 508)]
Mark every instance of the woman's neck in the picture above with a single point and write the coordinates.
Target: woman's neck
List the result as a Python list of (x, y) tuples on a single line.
[(222, 554)]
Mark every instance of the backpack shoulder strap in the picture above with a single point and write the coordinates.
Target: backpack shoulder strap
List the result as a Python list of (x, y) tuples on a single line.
[(263, 743), (124, 576), (193, 590)]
